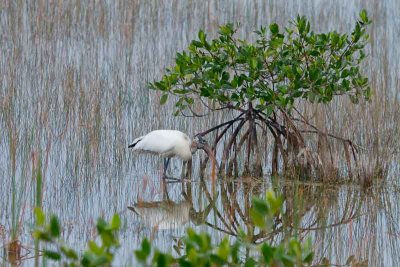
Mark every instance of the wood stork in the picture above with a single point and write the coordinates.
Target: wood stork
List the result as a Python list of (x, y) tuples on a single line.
[(168, 144)]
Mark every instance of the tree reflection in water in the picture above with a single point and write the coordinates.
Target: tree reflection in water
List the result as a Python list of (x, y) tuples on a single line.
[(344, 221)]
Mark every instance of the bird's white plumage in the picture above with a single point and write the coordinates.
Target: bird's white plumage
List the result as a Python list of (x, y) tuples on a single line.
[(166, 143)]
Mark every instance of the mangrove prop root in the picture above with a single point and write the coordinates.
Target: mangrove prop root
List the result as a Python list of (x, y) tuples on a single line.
[(229, 145), (288, 141)]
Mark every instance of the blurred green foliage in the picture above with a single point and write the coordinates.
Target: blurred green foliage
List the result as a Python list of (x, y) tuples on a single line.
[(197, 248)]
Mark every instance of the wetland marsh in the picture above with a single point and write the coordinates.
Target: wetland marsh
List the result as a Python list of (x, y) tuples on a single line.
[(74, 93)]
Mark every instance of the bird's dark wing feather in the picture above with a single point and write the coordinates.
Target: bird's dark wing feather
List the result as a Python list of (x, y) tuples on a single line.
[(135, 142)]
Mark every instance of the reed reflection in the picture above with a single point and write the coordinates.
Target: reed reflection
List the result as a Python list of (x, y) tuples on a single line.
[(327, 214)]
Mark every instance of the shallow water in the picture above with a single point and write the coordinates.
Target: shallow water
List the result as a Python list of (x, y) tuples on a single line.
[(73, 95)]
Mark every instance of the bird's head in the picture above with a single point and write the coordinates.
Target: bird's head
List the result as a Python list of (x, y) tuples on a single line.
[(200, 143)]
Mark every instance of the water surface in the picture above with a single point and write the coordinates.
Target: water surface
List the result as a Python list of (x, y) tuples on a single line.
[(73, 95)]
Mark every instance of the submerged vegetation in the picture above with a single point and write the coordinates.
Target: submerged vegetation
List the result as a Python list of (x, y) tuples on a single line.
[(263, 82), (195, 249), (73, 92)]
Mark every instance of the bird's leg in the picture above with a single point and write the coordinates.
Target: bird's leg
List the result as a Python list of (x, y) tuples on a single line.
[(165, 190), (183, 173), (166, 163), (165, 177), (186, 170)]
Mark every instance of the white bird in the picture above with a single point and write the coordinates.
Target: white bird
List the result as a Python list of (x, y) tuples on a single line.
[(168, 144)]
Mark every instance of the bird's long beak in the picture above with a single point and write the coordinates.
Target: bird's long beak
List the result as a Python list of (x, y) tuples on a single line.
[(210, 154)]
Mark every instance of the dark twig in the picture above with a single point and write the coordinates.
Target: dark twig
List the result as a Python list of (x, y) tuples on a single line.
[(220, 125)]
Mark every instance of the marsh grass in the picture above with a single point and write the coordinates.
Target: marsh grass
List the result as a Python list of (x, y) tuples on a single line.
[(38, 199)]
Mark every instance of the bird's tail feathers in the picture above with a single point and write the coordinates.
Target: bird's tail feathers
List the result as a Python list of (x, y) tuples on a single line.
[(133, 209), (137, 140)]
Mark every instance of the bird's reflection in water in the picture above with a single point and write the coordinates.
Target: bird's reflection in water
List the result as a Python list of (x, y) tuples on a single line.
[(168, 214), (162, 215)]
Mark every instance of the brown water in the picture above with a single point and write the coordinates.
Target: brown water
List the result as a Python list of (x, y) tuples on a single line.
[(73, 95)]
